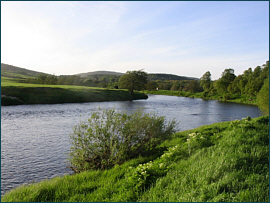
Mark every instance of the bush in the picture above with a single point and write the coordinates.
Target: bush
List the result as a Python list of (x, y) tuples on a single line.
[(109, 138), (263, 97)]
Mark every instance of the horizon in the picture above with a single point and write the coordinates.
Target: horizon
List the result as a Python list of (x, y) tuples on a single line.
[(93, 72), (179, 38)]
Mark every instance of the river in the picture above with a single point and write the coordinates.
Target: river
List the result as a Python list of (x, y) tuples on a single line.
[(35, 138)]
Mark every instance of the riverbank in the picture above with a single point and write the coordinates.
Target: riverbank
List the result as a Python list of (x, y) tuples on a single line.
[(20, 93), (202, 95), (226, 161)]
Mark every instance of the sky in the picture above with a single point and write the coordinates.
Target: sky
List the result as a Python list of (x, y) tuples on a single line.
[(186, 38)]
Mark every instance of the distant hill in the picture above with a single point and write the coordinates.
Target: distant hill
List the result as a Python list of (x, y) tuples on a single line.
[(94, 73), (16, 72), (151, 76), (164, 76)]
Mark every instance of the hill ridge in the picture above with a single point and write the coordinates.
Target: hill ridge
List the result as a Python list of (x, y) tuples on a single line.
[(8, 71)]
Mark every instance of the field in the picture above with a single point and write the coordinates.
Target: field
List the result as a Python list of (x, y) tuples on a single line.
[(14, 92), (222, 162)]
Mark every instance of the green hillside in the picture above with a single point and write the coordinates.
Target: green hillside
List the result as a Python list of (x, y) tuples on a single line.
[(10, 71), (151, 76), (163, 76), (99, 73)]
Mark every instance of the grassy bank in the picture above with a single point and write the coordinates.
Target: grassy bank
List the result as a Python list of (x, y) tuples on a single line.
[(13, 93), (227, 161), (202, 95)]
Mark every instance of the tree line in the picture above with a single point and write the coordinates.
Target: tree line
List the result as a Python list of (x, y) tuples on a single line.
[(105, 81), (227, 87), (251, 85), (154, 81)]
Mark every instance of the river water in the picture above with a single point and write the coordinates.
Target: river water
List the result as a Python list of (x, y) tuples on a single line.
[(35, 138)]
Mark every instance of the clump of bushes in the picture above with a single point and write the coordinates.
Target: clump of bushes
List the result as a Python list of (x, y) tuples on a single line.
[(263, 97), (109, 138)]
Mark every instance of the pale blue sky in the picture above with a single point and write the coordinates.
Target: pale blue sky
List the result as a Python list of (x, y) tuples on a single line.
[(177, 37)]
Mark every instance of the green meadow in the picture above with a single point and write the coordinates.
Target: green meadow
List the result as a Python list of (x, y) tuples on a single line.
[(15, 92), (222, 162)]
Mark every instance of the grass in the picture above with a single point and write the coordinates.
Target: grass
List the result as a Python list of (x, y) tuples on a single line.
[(235, 169), (22, 93), (226, 161)]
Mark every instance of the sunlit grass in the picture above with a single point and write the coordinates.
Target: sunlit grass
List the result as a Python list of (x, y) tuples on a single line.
[(235, 169), (13, 82)]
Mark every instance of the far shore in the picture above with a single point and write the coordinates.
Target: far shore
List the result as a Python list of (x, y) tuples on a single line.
[(21, 95), (199, 95)]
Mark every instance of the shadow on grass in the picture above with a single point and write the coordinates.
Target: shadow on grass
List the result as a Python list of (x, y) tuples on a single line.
[(48, 95)]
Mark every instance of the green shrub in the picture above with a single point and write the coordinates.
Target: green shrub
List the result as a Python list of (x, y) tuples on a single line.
[(263, 97), (109, 138)]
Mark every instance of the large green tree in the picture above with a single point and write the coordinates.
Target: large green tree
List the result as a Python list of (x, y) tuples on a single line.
[(226, 79), (133, 80), (205, 81)]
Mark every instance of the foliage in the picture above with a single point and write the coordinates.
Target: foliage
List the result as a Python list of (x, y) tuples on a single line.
[(228, 75), (133, 80), (205, 81), (109, 138), (263, 97), (240, 89), (193, 86), (151, 85), (223, 83)]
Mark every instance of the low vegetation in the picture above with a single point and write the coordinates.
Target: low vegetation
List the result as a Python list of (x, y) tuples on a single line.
[(222, 162), (109, 138)]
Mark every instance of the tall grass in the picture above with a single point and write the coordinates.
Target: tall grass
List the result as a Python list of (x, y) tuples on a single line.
[(235, 169)]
